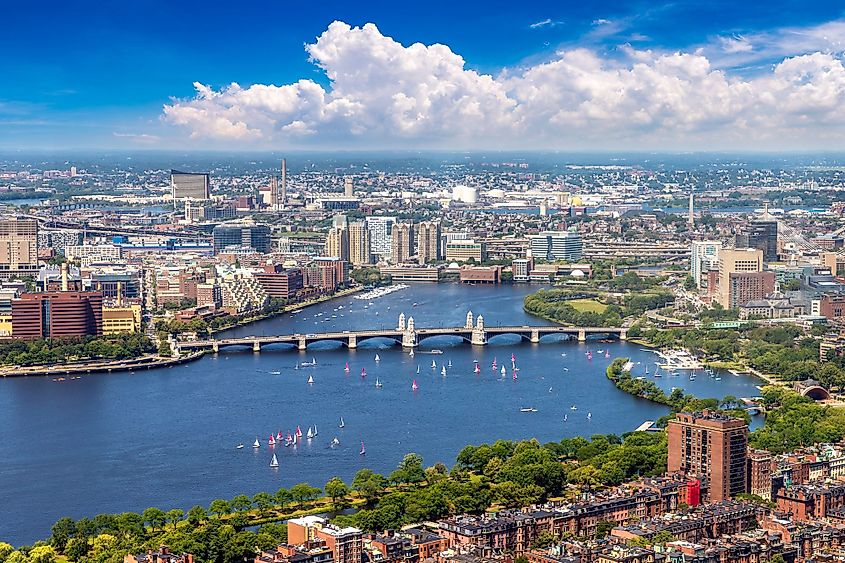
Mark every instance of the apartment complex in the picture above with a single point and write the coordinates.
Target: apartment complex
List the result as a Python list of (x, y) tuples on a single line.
[(18, 248), (704, 257), (189, 185), (402, 243), (741, 277), (428, 242)]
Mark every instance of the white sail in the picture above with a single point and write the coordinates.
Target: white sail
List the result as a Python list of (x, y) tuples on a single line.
[(310, 380), (377, 358), (341, 423), (257, 444), (274, 462)]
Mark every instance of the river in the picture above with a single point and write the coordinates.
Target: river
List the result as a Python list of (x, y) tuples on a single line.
[(166, 438)]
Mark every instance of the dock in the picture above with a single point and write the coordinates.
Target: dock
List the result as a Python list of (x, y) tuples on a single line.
[(647, 426)]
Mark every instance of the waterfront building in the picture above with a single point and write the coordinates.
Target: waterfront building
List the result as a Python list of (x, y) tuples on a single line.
[(189, 185), (402, 243), (557, 245), (521, 268), (280, 283), (337, 243), (712, 446), (481, 274), (18, 248), (359, 244), (466, 250), (381, 235), (256, 237), (428, 242), (346, 544), (762, 235), (738, 282), (163, 555), (120, 319), (412, 273), (55, 314), (704, 257), (88, 254)]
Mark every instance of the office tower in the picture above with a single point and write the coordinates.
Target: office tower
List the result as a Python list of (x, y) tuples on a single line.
[(710, 445), (402, 243), (704, 257), (187, 185), (337, 243), (57, 314), (274, 193), (18, 248), (348, 190), (691, 217), (466, 250), (381, 235), (340, 221), (835, 262), (762, 235), (741, 277), (283, 200), (256, 237), (359, 243), (428, 242), (557, 245)]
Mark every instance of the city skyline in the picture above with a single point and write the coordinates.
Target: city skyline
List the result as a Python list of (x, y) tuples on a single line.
[(670, 76)]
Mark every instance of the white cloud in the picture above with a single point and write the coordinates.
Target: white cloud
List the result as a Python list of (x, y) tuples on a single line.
[(140, 138), (737, 44), (384, 94), (548, 22)]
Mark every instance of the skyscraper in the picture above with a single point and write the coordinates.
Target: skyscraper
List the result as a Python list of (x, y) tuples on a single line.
[(18, 248), (741, 277), (710, 445), (359, 243), (402, 243), (337, 243), (188, 185), (691, 216), (348, 189), (283, 200), (557, 245), (703, 258), (428, 242), (255, 236), (762, 235), (381, 235)]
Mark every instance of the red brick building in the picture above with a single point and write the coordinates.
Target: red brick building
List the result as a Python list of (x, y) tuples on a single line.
[(57, 314)]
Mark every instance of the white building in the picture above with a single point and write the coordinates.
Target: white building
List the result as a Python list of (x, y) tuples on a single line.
[(381, 235), (87, 254), (704, 257), (557, 245)]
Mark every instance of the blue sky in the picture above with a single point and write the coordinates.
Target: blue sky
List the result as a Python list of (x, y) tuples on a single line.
[(98, 74)]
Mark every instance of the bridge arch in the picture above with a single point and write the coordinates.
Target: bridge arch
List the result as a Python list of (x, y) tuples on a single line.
[(445, 337)]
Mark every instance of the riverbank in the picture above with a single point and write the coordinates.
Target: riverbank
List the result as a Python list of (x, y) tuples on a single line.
[(137, 364)]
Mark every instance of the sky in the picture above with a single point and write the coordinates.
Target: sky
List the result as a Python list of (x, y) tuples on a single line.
[(339, 75)]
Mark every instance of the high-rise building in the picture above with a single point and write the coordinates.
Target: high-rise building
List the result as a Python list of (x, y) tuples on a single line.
[(466, 250), (402, 243), (557, 245), (56, 314), (348, 188), (760, 473), (283, 198), (741, 277), (711, 445), (381, 235), (188, 185), (359, 243), (346, 544), (428, 242), (256, 237), (337, 243), (835, 262), (703, 258), (18, 248), (762, 235)]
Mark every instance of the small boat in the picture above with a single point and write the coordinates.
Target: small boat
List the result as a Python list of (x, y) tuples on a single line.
[(418, 370), (298, 432), (589, 355), (527, 409), (239, 447), (256, 444), (477, 369), (342, 424), (504, 371), (565, 417), (717, 378), (363, 449), (274, 462), (310, 380), (573, 408), (378, 383), (550, 389), (334, 442), (494, 363), (449, 364), (310, 433), (346, 369), (377, 358), (411, 353), (414, 386), (271, 441), (436, 351), (443, 371), (563, 355), (275, 373), (313, 362), (565, 369), (514, 375), (607, 354), (363, 372), (433, 364), (589, 416)]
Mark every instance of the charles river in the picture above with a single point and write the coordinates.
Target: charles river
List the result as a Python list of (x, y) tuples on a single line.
[(167, 438)]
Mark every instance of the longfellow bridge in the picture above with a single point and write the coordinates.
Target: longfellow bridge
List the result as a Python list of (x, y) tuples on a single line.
[(407, 334)]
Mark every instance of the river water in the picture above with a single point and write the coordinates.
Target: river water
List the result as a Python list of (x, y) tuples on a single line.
[(166, 438)]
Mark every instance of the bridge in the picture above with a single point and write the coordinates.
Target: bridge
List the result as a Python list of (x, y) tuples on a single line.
[(406, 334)]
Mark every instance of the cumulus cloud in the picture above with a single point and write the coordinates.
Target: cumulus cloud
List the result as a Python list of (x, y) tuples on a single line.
[(385, 94)]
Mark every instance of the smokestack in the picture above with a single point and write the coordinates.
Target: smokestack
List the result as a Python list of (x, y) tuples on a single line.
[(119, 293), (274, 193), (691, 218), (64, 276), (284, 182)]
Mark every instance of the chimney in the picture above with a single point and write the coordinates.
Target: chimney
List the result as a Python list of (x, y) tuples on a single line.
[(119, 293), (64, 276), (284, 182)]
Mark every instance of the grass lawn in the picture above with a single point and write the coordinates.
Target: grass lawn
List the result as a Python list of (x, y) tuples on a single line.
[(587, 306)]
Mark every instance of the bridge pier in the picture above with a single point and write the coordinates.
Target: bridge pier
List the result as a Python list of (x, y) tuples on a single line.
[(623, 334), (478, 338), (215, 348), (256, 346), (582, 335), (353, 342), (303, 344), (535, 337), (409, 339)]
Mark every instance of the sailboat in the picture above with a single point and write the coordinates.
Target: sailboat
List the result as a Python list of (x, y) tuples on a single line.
[(377, 358), (288, 440), (335, 442), (310, 380), (271, 441), (257, 444), (504, 371), (310, 433), (363, 372), (589, 416), (565, 417), (418, 370), (342, 424), (514, 375), (346, 369), (589, 355), (477, 369), (607, 354), (315, 431), (513, 358), (279, 436), (378, 383), (274, 462), (414, 386), (494, 363), (411, 353), (363, 449), (298, 432), (443, 371), (449, 364), (433, 364)]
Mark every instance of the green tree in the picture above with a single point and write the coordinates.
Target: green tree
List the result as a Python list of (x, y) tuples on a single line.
[(337, 490), (5, 550), (603, 528), (155, 517), (42, 554), (197, 515), (174, 515), (410, 470), (262, 501), (241, 503), (369, 485), (303, 492), (283, 497), (62, 531), (219, 507)]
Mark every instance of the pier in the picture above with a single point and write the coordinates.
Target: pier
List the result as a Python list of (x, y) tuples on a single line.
[(405, 334)]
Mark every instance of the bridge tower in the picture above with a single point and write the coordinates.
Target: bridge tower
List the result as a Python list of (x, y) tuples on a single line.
[(401, 325), (479, 335), (409, 336), (469, 320)]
